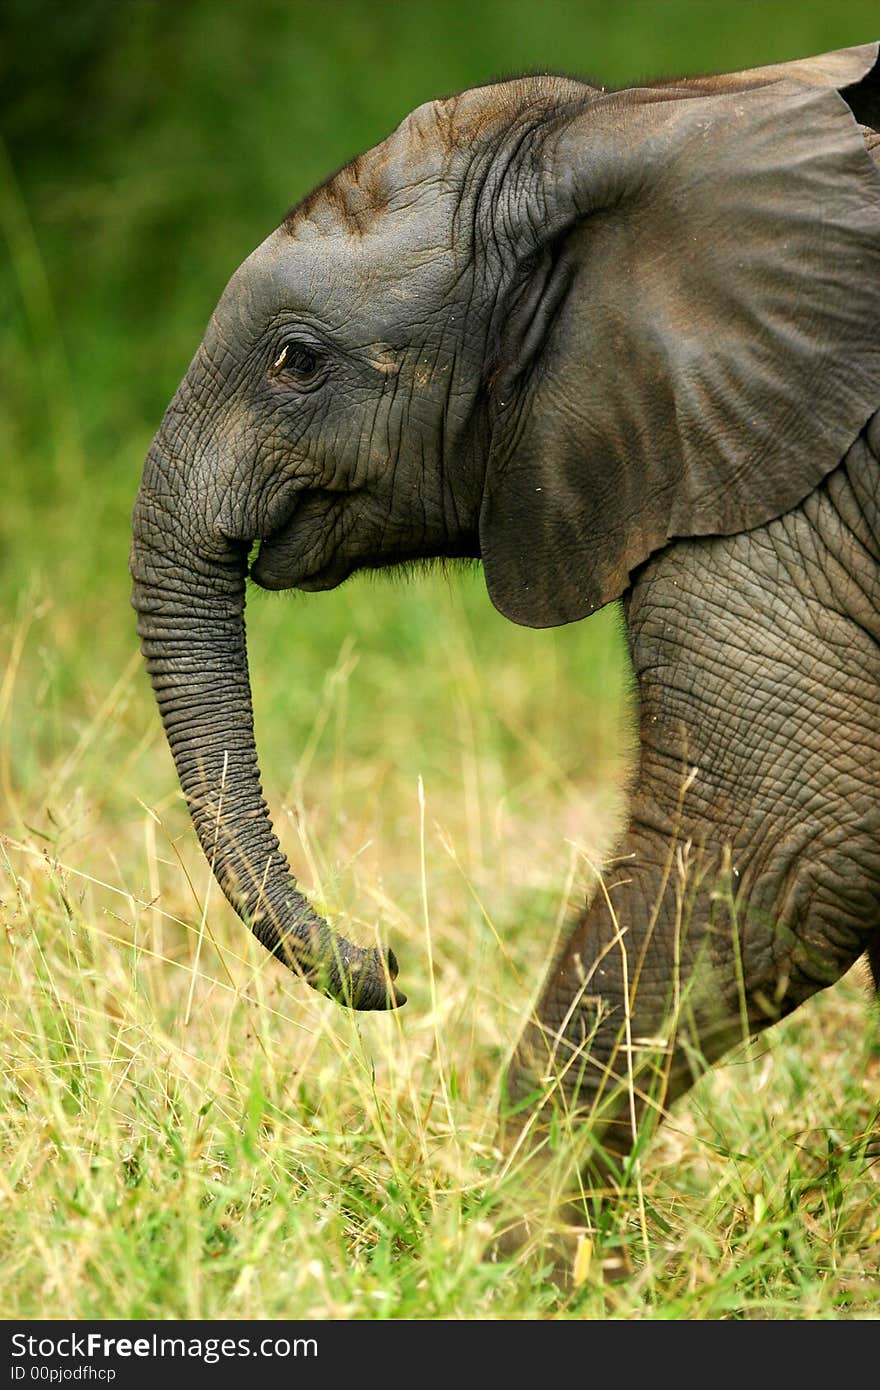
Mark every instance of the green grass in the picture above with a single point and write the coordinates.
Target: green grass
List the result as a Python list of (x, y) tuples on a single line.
[(189, 1132), (186, 1131)]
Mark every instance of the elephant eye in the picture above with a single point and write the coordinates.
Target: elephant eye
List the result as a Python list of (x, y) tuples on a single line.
[(299, 362)]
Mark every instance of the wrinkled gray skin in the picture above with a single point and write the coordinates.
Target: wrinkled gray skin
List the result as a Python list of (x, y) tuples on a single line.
[(611, 344)]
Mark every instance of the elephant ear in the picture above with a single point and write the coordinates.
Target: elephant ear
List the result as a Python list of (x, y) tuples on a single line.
[(841, 69), (700, 342)]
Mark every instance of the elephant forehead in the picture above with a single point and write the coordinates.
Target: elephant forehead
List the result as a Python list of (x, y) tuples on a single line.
[(338, 280), (418, 158)]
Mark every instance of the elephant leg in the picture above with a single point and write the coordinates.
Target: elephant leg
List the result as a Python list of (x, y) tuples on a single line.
[(749, 876)]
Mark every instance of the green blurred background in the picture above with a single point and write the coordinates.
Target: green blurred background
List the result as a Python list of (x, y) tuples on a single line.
[(146, 148)]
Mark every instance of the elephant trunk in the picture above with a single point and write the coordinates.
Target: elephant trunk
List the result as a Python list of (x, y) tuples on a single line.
[(190, 603)]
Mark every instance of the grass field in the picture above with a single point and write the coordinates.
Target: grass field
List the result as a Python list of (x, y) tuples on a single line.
[(186, 1131)]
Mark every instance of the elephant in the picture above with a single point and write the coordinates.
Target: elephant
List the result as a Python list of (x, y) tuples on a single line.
[(614, 345)]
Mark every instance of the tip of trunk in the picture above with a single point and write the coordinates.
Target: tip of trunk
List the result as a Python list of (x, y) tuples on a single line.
[(359, 978)]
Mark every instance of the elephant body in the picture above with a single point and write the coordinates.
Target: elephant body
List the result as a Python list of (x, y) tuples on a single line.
[(749, 876), (614, 345)]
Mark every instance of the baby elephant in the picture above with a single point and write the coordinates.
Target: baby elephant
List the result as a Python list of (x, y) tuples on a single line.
[(614, 344)]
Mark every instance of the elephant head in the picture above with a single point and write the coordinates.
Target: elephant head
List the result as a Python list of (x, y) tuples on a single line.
[(542, 324)]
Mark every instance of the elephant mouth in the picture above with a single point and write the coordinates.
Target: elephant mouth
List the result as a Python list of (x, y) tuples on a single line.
[(294, 556), (304, 552), (274, 569)]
